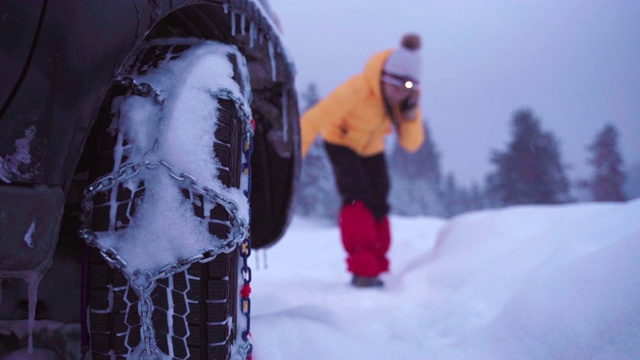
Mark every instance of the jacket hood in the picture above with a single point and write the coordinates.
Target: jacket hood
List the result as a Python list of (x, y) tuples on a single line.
[(373, 71)]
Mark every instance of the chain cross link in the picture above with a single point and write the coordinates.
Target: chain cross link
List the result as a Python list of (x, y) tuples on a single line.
[(238, 223)]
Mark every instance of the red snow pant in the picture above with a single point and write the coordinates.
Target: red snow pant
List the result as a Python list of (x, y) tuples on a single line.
[(365, 239), (363, 183)]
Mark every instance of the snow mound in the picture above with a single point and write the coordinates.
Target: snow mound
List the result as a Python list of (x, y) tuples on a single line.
[(526, 282)]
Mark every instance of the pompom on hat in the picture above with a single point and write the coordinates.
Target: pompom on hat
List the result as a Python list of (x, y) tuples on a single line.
[(404, 63)]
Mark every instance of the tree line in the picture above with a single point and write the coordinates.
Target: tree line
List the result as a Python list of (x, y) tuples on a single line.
[(528, 171)]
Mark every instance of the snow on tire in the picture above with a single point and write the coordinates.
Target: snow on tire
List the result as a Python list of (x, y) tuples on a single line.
[(177, 124)]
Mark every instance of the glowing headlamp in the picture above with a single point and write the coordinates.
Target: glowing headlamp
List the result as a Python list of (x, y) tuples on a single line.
[(400, 82)]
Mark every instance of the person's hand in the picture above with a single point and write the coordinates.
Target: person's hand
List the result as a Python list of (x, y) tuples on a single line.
[(403, 101), (409, 106)]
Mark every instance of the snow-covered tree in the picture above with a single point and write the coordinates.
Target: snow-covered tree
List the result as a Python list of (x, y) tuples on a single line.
[(608, 178), (415, 179), (530, 170), (459, 199), (476, 199), (414, 197), (316, 192), (309, 96), (422, 164), (452, 196)]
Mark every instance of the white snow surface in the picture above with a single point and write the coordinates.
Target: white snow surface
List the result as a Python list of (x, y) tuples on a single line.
[(526, 282)]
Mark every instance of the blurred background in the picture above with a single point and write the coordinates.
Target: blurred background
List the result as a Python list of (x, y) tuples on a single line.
[(570, 69)]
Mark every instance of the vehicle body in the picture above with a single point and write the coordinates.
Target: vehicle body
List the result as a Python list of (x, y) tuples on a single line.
[(59, 61)]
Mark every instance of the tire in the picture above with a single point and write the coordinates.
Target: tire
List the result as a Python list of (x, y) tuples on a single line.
[(197, 311)]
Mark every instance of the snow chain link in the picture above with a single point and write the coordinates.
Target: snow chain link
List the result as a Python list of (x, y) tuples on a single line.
[(239, 225), (143, 281)]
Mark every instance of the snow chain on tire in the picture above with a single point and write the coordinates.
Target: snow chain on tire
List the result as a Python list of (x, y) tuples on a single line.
[(189, 309)]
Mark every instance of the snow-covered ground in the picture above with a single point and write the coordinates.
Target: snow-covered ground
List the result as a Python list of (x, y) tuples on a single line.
[(528, 282)]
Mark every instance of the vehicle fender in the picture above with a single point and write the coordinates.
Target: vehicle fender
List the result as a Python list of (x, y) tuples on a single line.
[(31, 240)]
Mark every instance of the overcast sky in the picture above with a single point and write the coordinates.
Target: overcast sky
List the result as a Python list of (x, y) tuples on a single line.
[(575, 63)]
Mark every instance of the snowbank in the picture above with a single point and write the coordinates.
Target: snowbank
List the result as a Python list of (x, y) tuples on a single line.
[(529, 282)]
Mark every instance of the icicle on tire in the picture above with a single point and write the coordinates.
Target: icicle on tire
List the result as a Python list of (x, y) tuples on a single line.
[(199, 306)]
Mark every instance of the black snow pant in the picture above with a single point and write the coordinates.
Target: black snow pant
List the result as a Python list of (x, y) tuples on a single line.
[(361, 178)]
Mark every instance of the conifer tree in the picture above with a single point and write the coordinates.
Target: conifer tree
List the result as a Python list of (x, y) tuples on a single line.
[(530, 170), (608, 178), (415, 179)]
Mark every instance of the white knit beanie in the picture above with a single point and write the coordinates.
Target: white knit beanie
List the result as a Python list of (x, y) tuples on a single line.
[(406, 62)]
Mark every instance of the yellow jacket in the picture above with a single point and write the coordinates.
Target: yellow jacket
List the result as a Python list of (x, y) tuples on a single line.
[(354, 115)]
